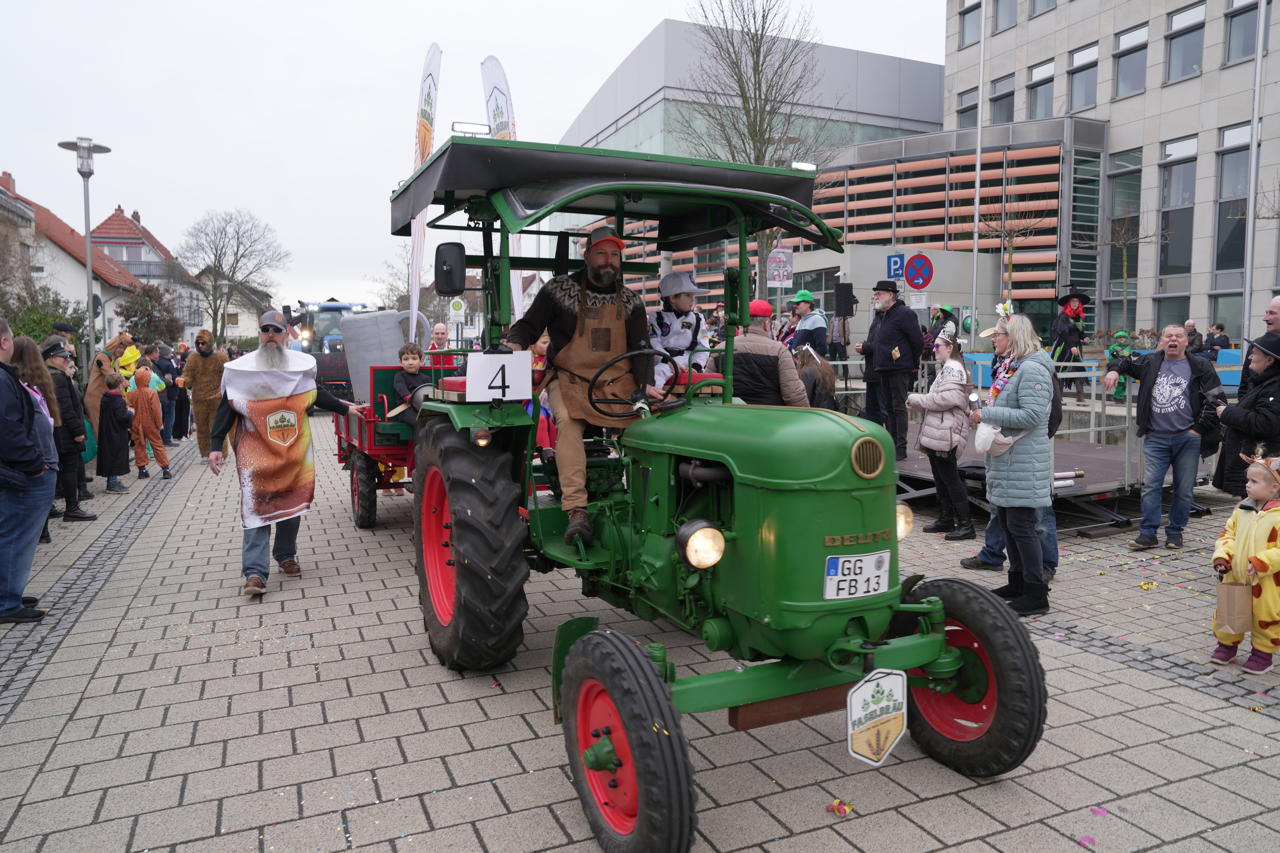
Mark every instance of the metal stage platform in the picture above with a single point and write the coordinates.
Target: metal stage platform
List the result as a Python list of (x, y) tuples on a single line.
[(1096, 499)]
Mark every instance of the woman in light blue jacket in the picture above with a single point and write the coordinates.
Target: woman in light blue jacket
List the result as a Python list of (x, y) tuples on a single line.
[(1020, 480)]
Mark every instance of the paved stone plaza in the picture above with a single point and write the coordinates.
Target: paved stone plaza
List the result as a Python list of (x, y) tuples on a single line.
[(158, 708)]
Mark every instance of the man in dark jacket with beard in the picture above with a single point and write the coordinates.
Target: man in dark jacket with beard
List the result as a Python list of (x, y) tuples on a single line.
[(893, 352)]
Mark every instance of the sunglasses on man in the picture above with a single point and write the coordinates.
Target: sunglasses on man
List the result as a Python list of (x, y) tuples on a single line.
[(271, 330)]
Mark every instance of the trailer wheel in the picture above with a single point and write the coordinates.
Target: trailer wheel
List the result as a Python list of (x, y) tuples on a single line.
[(993, 719), (364, 490), (470, 537), (627, 753)]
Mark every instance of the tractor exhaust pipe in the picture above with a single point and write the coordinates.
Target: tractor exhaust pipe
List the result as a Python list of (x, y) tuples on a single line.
[(703, 473)]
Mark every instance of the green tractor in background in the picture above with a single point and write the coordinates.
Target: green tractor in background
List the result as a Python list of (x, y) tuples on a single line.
[(787, 561)]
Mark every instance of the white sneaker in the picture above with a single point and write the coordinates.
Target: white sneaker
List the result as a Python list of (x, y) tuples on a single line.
[(204, 460)]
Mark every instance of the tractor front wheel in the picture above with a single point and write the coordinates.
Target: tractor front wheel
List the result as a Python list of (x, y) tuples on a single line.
[(364, 490), (993, 718), (470, 563), (627, 753)]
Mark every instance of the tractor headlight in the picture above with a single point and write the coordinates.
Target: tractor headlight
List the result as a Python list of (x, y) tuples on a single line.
[(906, 519), (700, 543)]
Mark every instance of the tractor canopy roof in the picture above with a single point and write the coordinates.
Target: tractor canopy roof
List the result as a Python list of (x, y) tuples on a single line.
[(694, 202)]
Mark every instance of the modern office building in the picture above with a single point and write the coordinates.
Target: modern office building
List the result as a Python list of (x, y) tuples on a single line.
[(1173, 82), (856, 96)]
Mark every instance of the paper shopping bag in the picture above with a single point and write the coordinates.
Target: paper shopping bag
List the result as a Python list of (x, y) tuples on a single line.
[(1235, 608)]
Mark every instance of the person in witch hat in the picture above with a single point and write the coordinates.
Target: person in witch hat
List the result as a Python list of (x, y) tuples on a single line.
[(1069, 338)]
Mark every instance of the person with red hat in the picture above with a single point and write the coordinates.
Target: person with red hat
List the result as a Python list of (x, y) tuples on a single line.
[(591, 317), (764, 373)]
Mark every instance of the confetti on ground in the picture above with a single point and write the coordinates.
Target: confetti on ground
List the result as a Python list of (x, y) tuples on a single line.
[(1086, 841), (1098, 810), (1150, 584), (840, 807)]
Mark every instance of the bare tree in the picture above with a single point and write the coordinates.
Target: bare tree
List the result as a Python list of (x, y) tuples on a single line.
[(233, 252), (1012, 228), (757, 64), (393, 282), (1127, 234)]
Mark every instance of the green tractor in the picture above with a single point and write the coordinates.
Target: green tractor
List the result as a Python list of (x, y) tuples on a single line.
[(786, 561)]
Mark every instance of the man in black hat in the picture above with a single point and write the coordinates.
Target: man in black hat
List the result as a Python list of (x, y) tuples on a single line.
[(70, 434), (1068, 336), (892, 352)]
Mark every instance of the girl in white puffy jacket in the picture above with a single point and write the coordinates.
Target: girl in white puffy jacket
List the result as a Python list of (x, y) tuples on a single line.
[(944, 431)]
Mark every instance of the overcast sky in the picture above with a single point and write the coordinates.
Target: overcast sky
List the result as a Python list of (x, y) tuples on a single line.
[(303, 112)]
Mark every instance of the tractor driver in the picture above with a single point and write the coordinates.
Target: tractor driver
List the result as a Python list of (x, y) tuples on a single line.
[(591, 317)]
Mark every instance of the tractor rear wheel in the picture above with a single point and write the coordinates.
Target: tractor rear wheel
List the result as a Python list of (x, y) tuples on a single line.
[(994, 717), (364, 490), (627, 753), (470, 537)]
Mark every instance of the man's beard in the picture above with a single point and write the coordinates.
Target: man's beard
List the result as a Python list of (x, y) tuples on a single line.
[(602, 276), (271, 358)]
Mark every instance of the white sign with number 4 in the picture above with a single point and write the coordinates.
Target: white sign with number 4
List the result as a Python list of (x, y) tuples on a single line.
[(507, 376)]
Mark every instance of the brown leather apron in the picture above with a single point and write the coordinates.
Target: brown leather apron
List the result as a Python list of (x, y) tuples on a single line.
[(601, 335)]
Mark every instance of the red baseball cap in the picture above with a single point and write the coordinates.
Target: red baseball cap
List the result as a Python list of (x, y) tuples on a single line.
[(760, 308)]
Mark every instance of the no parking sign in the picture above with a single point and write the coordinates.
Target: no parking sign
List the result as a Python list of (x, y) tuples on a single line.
[(918, 271)]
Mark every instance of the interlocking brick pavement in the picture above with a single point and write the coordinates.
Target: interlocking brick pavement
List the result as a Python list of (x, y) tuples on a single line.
[(157, 708)]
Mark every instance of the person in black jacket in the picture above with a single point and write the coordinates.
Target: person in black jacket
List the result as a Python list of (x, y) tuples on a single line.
[(1253, 424), (1175, 413), (1068, 336), (1216, 341), (114, 419), (893, 350), (167, 370), (70, 434), (1195, 340), (26, 487)]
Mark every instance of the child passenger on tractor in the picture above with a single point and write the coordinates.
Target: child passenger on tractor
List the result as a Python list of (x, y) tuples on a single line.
[(409, 379), (678, 328)]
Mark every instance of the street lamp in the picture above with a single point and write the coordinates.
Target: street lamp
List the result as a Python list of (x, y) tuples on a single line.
[(85, 149)]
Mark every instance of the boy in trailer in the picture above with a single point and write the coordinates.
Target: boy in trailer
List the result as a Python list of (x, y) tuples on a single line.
[(678, 328), (1247, 552), (409, 379)]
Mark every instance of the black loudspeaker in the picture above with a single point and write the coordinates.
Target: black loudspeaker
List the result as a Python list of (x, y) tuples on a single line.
[(845, 300)]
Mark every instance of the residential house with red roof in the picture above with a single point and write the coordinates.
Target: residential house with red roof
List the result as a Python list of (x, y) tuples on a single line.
[(55, 256), (132, 245)]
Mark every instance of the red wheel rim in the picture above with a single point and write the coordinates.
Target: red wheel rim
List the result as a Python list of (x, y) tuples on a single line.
[(947, 713), (437, 552), (596, 712)]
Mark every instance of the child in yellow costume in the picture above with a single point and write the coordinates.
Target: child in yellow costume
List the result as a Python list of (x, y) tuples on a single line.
[(1248, 552)]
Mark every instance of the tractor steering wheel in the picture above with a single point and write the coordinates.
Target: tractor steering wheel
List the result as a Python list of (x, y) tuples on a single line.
[(666, 404)]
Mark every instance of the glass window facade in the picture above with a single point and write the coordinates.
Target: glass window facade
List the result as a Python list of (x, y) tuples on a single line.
[(1242, 32), (1083, 79), (1172, 310), (1006, 14), (970, 25), (967, 108), (1131, 62), (1002, 100), (1039, 7), (1040, 92), (1185, 48)]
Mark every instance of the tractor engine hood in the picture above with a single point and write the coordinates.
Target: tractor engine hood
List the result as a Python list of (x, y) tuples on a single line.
[(774, 447)]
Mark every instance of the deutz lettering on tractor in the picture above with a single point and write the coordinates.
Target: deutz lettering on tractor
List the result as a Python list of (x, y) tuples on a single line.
[(788, 561)]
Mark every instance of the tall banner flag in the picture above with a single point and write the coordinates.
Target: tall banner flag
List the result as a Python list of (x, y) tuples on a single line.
[(502, 125), (424, 133)]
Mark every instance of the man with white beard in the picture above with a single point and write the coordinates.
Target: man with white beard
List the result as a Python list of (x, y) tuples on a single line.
[(265, 396)]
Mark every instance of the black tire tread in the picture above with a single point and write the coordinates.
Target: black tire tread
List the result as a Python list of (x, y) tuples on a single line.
[(487, 538), (664, 774), (364, 473), (1022, 694)]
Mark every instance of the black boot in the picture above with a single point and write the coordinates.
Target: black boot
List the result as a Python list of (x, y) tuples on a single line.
[(1033, 601), (963, 530), (946, 521), (1013, 588), (579, 527)]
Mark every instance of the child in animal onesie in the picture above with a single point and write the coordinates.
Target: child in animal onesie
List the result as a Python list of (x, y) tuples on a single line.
[(147, 420), (1247, 552)]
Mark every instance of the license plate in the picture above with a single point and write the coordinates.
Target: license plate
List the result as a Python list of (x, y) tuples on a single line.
[(856, 575)]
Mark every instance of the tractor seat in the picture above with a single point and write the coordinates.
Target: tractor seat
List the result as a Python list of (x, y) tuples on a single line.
[(685, 378), (453, 383)]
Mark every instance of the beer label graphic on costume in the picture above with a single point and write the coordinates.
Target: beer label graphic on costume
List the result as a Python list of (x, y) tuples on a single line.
[(282, 427)]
